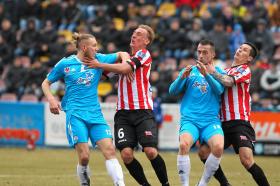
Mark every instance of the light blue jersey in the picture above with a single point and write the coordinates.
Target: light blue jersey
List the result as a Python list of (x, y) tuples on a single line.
[(84, 118), (81, 86), (200, 105)]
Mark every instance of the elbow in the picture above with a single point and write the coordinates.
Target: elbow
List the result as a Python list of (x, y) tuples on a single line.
[(45, 83), (172, 91)]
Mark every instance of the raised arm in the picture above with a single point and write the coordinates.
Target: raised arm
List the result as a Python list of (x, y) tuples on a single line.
[(178, 85), (123, 56), (216, 86), (226, 80)]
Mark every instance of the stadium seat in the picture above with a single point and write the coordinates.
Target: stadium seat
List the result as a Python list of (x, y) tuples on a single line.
[(111, 99), (29, 98), (104, 88), (166, 8), (8, 97), (119, 23)]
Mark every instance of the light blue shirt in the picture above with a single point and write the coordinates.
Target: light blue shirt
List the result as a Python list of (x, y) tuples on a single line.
[(202, 96), (81, 86)]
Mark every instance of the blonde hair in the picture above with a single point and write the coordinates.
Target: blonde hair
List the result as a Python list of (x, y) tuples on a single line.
[(151, 33), (78, 38)]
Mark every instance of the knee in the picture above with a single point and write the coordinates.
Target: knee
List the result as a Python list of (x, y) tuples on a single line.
[(246, 160), (218, 149), (203, 152), (109, 152), (150, 152), (84, 158), (184, 147), (127, 156)]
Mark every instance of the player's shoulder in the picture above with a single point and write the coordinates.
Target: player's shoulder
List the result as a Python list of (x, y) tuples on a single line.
[(143, 53), (66, 60), (243, 68)]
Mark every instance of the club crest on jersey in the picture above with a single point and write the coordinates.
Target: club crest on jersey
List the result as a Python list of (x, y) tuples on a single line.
[(141, 54), (87, 80), (67, 69), (240, 70), (202, 87)]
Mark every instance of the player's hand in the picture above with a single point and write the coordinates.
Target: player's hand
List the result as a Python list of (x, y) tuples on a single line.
[(202, 68), (130, 76), (210, 68), (187, 71), (124, 56), (91, 63), (54, 106)]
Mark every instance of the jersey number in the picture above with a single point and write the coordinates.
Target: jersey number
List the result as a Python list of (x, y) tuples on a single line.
[(120, 133)]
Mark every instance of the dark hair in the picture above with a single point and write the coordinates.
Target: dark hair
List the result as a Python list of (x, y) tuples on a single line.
[(207, 42), (254, 50)]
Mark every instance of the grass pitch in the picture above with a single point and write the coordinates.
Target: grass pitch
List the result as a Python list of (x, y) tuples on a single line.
[(57, 167)]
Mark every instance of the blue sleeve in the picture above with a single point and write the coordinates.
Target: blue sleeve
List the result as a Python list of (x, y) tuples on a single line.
[(177, 86), (216, 85), (107, 58), (57, 72)]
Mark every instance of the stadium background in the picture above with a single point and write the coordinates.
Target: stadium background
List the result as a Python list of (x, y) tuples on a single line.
[(35, 34)]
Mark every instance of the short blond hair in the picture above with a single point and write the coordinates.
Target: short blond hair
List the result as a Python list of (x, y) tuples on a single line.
[(77, 38), (151, 33)]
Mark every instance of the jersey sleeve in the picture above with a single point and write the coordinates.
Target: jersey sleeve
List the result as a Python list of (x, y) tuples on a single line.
[(242, 74), (57, 72), (107, 58), (178, 85), (142, 57)]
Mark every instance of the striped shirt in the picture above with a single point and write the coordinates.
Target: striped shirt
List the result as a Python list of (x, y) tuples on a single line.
[(236, 100), (136, 94)]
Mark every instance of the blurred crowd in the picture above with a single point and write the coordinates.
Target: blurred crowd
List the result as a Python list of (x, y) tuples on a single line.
[(35, 34)]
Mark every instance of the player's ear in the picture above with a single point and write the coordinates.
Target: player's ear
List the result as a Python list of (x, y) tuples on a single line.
[(250, 59), (147, 42)]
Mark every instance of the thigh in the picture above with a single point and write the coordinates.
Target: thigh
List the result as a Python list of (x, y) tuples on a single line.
[(124, 131), (211, 130), (76, 130), (243, 138), (190, 128), (98, 132), (146, 132)]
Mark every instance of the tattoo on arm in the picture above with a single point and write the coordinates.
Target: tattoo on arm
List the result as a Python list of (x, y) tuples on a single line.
[(226, 80)]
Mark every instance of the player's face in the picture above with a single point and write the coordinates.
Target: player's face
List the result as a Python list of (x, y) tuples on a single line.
[(243, 54), (90, 47), (205, 53), (139, 39)]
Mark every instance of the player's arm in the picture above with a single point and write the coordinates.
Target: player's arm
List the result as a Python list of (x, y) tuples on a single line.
[(217, 87), (178, 85), (56, 73), (54, 104), (226, 80), (120, 68), (122, 56)]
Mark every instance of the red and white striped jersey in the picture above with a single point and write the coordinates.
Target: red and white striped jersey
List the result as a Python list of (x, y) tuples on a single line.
[(136, 94), (236, 100)]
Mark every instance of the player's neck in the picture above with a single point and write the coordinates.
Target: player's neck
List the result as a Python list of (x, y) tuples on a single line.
[(80, 56), (238, 63), (134, 50)]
